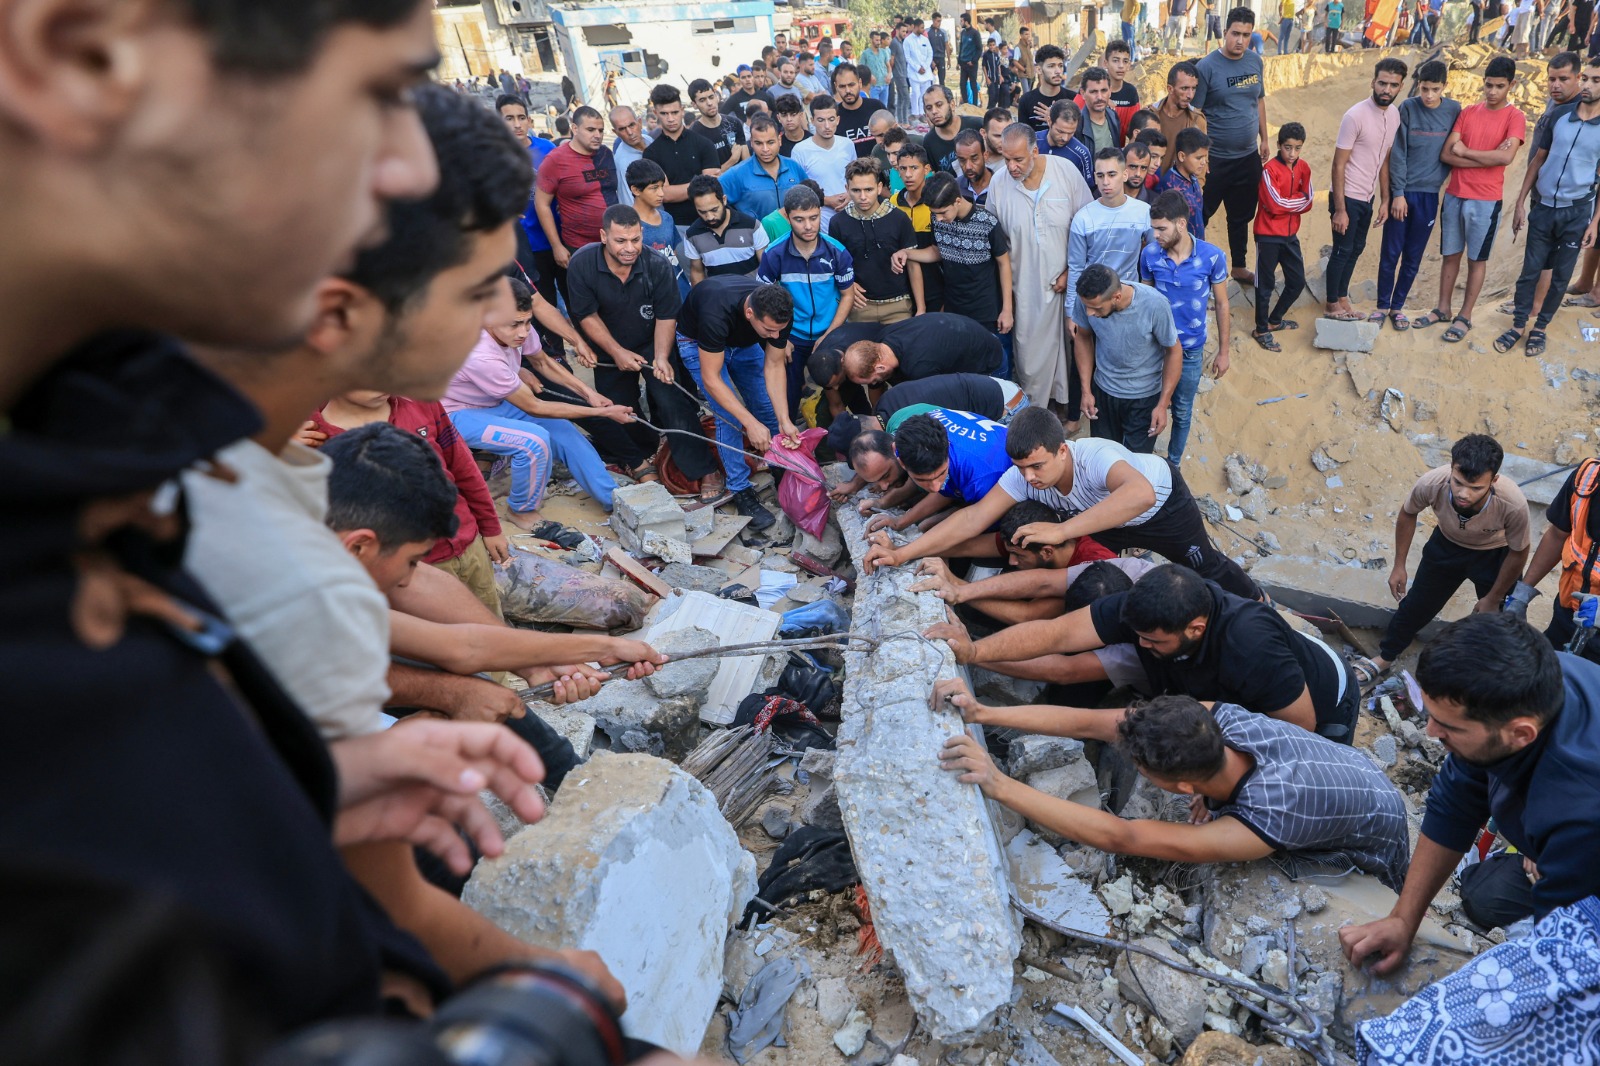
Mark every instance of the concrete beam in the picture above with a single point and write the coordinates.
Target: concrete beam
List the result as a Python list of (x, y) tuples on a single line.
[(926, 848)]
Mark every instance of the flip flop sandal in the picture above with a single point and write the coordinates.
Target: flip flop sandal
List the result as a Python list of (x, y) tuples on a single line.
[(1267, 340), (1401, 322), (1535, 345), (1274, 327), (1366, 670), (1432, 318), (1584, 300), (1455, 334), (1378, 317), (1507, 340)]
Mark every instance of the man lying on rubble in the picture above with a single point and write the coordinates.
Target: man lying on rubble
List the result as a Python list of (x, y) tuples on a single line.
[(1261, 787), (1193, 638), (1522, 725), (1039, 578), (1123, 500)]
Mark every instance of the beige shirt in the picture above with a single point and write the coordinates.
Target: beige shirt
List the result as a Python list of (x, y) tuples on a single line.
[(1502, 522)]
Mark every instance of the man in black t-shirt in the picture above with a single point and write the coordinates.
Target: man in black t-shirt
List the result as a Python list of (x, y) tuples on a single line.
[(1196, 640), (943, 125), (934, 343), (872, 230), (738, 324), (747, 91), (825, 366), (724, 132), (980, 394), (624, 300), (679, 153), (1034, 107), (855, 110)]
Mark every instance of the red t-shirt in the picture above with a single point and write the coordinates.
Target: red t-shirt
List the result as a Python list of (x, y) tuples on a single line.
[(475, 511), (584, 186), (1483, 130)]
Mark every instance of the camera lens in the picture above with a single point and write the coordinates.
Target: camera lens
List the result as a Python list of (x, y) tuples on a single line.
[(536, 1015)]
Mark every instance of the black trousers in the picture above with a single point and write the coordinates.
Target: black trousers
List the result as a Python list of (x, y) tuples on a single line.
[(969, 83), (1232, 183), (1178, 534), (1555, 236), (1496, 892), (1445, 565), (669, 407), (1125, 421), (1348, 246), (610, 439), (1272, 253)]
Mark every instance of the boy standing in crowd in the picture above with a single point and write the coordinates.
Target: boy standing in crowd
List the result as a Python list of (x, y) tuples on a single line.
[(1232, 93), (1191, 161), (975, 258), (1111, 230), (1128, 357), (872, 230), (1285, 195), (1416, 175), (1485, 140)]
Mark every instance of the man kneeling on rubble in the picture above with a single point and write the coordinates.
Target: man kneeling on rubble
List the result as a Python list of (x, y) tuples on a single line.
[(1261, 787)]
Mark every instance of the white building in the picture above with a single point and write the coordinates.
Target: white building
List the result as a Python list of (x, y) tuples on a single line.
[(646, 42)]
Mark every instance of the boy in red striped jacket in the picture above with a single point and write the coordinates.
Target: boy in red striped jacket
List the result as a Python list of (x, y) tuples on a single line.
[(479, 538), (1284, 195)]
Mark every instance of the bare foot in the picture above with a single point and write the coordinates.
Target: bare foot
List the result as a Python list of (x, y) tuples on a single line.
[(1070, 429), (524, 520)]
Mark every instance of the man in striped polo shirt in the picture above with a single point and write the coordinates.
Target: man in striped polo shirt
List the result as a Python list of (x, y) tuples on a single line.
[(1262, 788)]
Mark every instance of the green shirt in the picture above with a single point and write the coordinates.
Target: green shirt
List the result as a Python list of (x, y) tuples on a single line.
[(904, 413)]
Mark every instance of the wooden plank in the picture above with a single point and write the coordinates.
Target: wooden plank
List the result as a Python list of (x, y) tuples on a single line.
[(638, 573)]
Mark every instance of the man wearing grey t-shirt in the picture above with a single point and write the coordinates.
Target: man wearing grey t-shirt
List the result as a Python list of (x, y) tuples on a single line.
[(1128, 357), (1233, 96)]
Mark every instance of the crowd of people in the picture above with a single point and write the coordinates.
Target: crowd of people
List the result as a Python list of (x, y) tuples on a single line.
[(250, 616)]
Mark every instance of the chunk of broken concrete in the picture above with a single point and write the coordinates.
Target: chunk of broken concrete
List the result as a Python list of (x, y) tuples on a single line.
[(686, 676), (647, 508), (1345, 336), (1393, 409), (1178, 999), (853, 1037), (625, 833), (928, 854), (689, 576), (1035, 753), (835, 1001)]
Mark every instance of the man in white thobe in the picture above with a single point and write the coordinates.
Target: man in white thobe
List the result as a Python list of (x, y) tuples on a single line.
[(1035, 197), (919, 65)]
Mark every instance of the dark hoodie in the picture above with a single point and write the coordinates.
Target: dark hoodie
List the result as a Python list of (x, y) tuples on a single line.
[(1545, 799)]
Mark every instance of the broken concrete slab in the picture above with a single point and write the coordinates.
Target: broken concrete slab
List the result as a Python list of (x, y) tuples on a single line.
[(928, 853), (692, 578), (576, 727), (1360, 597), (1004, 689), (1074, 781), (688, 676), (1178, 999), (1034, 753), (1240, 896), (733, 623), (1048, 887), (647, 508), (625, 833), (1345, 336)]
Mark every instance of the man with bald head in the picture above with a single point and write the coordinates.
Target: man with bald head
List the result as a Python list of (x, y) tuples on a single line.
[(629, 146), (1035, 197)]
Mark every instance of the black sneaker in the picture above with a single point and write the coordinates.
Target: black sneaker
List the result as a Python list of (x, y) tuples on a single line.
[(747, 503)]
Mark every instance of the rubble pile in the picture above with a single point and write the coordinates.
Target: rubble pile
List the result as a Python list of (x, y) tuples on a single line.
[(930, 959)]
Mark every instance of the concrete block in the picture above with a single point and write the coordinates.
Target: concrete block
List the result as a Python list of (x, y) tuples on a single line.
[(1073, 781), (633, 861), (692, 578), (1238, 892), (1001, 688), (687, 677), (576, 726), (927, 851), (1034, 754), (1179, 999), (1345, 336), (733, 623), (646, 508), (660, 714)]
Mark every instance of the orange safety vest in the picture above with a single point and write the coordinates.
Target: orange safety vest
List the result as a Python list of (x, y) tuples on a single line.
[(1579, 551)]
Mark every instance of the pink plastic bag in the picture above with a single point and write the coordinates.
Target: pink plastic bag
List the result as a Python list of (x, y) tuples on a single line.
[(804, 498)]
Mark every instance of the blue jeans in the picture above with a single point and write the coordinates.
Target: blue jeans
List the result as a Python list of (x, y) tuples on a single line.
[(531, 443), (741, 372), (1005, 354), (1183, 403), (1285, 29), (1128, 33), (879, 93)]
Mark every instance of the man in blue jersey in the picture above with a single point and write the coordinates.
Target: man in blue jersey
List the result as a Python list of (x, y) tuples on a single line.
[(953, 456)]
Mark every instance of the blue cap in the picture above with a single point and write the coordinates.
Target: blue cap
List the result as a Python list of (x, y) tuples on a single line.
[(744, 68)]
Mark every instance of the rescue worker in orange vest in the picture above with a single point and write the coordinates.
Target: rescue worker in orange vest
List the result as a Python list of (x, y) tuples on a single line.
[(1573, 540)]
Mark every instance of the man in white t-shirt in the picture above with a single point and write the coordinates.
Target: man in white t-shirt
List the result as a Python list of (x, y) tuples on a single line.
[(824, 156), (1124, 500)]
